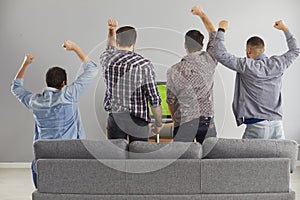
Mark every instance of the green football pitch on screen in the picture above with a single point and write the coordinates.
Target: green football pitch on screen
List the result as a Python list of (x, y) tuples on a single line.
[(162, 89)]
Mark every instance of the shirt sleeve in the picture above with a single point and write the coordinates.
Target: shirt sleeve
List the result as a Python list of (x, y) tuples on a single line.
[(275, 65), (283, 61), (228, 60), (171, 94), (150, 87), (211, 44), (20, 92), (106, 55), (80, 85)]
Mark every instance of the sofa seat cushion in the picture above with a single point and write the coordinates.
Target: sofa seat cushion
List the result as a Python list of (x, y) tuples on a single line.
[(219, 148), (81, 149), (165, 150)]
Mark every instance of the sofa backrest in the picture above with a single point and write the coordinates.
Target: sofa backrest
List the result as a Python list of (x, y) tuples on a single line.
[(165, 150), (219, 148), (81, 149), (143, 177)]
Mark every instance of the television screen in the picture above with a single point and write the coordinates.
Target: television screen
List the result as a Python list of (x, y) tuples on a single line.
[(162, 89)]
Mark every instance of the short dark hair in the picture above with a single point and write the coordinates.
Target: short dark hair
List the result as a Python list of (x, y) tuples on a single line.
[(194, 40), (126, 36), (256, 41), (55, 76)]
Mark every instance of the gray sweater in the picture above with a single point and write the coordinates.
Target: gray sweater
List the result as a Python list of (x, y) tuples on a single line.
[(258, 81)]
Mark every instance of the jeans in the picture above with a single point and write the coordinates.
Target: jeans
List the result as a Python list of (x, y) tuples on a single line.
[(34, 173), (264, 130), (200, 129), (119, 125)]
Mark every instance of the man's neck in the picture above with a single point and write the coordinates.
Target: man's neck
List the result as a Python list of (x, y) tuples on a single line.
[(126, 48)]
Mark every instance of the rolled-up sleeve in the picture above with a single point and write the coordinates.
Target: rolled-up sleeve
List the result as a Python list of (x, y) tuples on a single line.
[(150, 86), (106, 55), (80, 85), (20, 92), (171, 96), (211, 44)]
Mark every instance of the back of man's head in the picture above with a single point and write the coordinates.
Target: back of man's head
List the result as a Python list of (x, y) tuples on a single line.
[(255, 46), (256, 41), (56, 77), (126, 36), (194, 40)]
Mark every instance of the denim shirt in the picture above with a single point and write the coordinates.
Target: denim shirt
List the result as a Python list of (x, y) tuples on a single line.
[(56, 112), (258, 81)]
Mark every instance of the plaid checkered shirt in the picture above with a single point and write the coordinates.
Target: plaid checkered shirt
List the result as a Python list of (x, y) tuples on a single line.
[(130, 83), (190, 85)]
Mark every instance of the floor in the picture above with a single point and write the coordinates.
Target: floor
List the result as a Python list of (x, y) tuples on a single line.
[(15, 184)]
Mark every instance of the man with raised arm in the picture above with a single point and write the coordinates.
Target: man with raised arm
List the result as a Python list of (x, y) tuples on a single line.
[(55, 110), (130, 85), (257, 98), (190, 86)]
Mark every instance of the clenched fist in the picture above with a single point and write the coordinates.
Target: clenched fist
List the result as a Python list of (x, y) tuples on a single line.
[(69, 45), (224, 24), (196, 10), (280, 25), (29, 58), (112, 24)]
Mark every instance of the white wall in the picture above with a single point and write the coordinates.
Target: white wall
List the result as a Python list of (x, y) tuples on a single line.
[(40, 27)]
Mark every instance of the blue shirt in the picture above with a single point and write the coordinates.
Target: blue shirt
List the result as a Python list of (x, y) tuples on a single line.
[(258, 81), (56, 112)]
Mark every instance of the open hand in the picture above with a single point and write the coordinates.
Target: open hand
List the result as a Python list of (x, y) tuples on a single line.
[(112, 24)]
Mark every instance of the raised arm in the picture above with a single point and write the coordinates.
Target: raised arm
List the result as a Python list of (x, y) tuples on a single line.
[(72, 46), (293, 49), (17, 88), (111, 38), (291, 40), (90, 71), (228, 60), (28, 59), (197, 10)]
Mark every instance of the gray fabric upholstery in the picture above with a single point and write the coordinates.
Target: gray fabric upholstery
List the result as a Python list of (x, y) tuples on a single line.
[(110, 177), (165, 150), (254, 196), (81, 149), (80, 176), (175, 177), (245, 148), (233, 170), (251, 175)]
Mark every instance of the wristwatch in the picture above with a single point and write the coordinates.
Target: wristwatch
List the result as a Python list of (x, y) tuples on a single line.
[(221, 29)]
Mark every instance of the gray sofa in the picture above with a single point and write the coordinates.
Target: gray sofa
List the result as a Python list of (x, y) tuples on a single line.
[(220, 169)]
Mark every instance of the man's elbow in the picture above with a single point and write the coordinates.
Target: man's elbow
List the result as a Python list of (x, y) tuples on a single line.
[(219, 55)]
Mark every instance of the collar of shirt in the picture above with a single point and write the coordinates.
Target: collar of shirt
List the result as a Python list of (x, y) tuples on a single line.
[(260, 57), (192, 56), (51, 89)]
